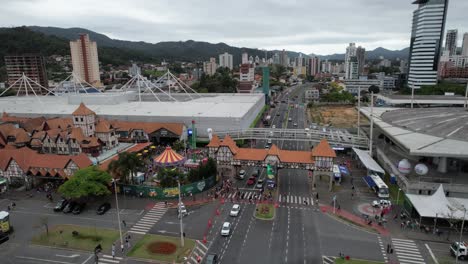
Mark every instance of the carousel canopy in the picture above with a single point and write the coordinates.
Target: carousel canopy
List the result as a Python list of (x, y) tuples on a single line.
[(169, 158)]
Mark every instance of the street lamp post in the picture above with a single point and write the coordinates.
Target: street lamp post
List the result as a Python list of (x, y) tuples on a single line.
[(398, 196), (461, 232), (359, 112), (114, 181), (373, 89), (180, 216)]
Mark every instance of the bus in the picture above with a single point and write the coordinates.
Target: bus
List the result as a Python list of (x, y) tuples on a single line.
[(378, 185), (267, 121)]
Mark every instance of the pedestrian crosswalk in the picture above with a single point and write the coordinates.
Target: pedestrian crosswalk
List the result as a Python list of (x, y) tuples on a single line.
[(296, 199), (407, 251), (328, 260), (109, 259), (198, 252), (151, 217), (245, 195)]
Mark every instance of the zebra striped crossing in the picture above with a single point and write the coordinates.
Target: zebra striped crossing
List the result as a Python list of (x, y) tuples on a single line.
[(108, 259), (296, 199), (247, 195), (407, 251), (200, 250), (328, 260), (151, 217)]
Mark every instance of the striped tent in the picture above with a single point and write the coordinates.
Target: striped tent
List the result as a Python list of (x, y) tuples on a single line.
[(169, 158)]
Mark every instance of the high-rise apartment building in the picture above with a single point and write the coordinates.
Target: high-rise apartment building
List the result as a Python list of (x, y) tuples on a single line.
[(284, 60), (134, 70), (225, 60), (245, 58), (349, 57), (451, 41), (276, 58), (426, 42), (361, 59), (314, 65), (209, 67), (465, 45), (85, 60), (33, 66)]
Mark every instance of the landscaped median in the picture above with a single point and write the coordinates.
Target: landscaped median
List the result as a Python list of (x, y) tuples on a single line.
[(355, 261), (77, 237), (162, 248), (265, 211)]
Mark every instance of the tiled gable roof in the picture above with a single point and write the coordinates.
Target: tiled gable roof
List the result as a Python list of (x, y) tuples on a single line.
[(323, 149), (83, 110)]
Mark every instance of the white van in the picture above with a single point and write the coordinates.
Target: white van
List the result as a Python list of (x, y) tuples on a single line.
[(242, 174)]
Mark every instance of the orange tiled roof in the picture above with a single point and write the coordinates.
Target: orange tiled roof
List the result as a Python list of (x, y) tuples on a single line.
[(148, 127), (92, 142), (291, 156), (21, 136), (274, 150), (6, 129), (83, 110), (35, 142), (39, 135), (230, 143), (251, 154), (14, 119), (77, 133), (103, 126), (214, 142), (138, 147), (323, 149), (58, 122)]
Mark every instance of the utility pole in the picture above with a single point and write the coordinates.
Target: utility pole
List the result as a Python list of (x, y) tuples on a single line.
[(181, 216), (359, 113)]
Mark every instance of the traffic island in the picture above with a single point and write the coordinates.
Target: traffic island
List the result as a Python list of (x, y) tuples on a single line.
[(76, 237), (265, 211), (162, 248)]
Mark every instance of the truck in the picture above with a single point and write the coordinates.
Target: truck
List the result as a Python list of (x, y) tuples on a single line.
[(459, 250)]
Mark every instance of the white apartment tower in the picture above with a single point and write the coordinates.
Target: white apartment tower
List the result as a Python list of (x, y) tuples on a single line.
[(350, 60), (225, 60), (465, 45), (85, 61), (426, 42), (451, 41), (209, 67), (245, 58)]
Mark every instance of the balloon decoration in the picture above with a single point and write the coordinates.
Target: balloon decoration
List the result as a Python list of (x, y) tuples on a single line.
[(404, 166), (421, 169)]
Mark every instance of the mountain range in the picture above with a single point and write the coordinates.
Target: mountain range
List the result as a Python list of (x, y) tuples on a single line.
[(189, 50)]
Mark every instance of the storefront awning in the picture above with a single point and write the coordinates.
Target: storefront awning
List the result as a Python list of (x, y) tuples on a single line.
[(368, 161)]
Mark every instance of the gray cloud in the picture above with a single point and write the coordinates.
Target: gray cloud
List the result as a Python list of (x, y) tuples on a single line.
[(309, 26)]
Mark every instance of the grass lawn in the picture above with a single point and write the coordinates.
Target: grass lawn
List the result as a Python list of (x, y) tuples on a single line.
[(355, 261), (88, 237), (140, 250), (265, 211)]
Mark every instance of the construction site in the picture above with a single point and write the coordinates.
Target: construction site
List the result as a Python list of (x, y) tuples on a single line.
[(339, 116)]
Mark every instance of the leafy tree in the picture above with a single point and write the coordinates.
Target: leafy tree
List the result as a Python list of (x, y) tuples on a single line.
[(178, 145), (90, 181), (126, 166), (168, 177), (221, 82), (277, 71), (439, 89)]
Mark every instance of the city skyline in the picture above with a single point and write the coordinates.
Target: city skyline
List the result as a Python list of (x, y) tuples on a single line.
[(387, 25)]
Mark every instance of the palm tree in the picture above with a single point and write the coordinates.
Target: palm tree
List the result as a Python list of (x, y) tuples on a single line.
[(125, 167)]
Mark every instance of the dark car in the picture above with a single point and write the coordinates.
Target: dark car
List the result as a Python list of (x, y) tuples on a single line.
[(78, 208), (103, 208), (69, 207), (211, 259), (60, 205), (251, 181), (5, 237)]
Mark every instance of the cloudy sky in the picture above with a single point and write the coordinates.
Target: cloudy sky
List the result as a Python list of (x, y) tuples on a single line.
[(309, 26)]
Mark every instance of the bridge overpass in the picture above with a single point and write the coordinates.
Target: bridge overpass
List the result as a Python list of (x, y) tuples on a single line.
[(336, 137)]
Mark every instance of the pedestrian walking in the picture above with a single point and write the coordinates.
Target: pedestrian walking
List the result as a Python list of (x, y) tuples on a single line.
[(124, 223), (388, 248), (113, 250), (317, 196), (122, 247), (128, 243)]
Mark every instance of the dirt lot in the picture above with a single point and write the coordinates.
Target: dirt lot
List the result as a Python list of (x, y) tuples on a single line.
[(337, 116)]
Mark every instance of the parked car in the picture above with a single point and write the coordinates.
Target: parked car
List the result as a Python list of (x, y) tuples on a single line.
[(259, 184), (103, 208), (69, 207), (4, 237), (235, 210), (384, 203), (289, 119), (295, 124), (271, 184), (226, 229), (79, 208), (60, 205), (241, 174), (211, 259), (251, 181)]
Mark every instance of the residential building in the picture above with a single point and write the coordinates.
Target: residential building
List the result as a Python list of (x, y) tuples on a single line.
[(276, 58), (451, 41), (385, 63), (312, 95), (209, 68), (33, 66), (326, 66), (225, 60), (426, 42), (284, 59), (85, 60), (350, 57), (403, 66), (245, 57), (465, 45), (134, 70), (251, 59), (314, 65), (387, 82), (247, 72), (361, 59), (299, 65), (453, 66), (257, 59), (363, 83)]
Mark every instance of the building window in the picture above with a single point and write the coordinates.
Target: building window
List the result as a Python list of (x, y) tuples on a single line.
[(76, 119), (90, 127), (81, 119)]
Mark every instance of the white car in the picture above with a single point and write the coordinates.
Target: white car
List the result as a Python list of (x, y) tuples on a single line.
[(384, 203), (235, 210), (182, 210), (273, 126), (226, 229), (242, 174)]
